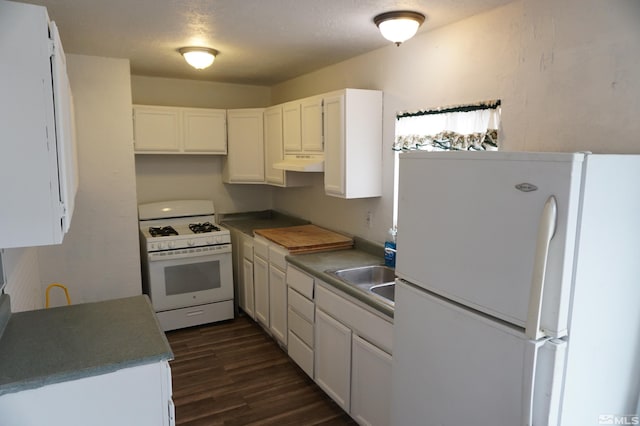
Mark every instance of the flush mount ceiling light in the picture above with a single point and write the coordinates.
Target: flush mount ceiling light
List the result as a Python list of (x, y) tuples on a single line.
[(399, 26), (198, 57)]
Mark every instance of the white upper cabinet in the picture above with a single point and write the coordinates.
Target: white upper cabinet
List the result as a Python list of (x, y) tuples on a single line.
[(172, 130), (311, 124), (244, 162), (291, 131), (37, 150), (302, 128), (204, 130), (273, 151), (353, 143)]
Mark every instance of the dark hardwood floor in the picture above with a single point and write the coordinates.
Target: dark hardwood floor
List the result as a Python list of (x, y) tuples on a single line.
[(233, 373)]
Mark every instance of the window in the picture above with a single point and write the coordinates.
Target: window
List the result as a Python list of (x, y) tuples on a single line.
[(465, 127)]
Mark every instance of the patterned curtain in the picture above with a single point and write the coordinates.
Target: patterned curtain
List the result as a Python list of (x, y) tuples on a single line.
[(467, 127)]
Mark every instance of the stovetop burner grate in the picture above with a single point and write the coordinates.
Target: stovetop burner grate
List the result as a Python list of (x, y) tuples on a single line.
[(199, 228), (162, 231)]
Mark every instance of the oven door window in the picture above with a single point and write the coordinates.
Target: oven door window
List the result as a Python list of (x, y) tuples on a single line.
[(190, 278)]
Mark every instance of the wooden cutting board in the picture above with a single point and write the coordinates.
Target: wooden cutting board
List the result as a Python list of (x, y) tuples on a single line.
[(306, 238)]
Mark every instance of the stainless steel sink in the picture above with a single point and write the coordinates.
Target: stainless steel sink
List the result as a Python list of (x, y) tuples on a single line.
[(388, 291), (367, 275), (377, 280)]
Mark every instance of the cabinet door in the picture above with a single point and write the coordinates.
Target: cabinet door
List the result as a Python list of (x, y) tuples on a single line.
[(273, 145), (334, 173), (247, 288), (245, 155), (204, 130), (370, 384), (156, 128), (261, 289), (333, 358), (139, 395), (278, 304), (311, 124), (291, 132)]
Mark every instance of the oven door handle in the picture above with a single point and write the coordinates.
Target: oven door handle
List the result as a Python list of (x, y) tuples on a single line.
[(189, 253)]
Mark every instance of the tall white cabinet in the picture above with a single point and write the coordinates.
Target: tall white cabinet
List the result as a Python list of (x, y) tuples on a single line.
[(38, 169), (353, 143)]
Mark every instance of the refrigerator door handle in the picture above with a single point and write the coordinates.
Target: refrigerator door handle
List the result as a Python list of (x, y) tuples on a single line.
[(546, 231)]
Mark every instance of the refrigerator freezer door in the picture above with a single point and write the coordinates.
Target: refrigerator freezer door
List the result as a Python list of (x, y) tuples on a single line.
[(453, 366), (468, 225)]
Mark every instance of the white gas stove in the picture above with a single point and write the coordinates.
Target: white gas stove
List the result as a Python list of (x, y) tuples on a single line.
[(186, 262)]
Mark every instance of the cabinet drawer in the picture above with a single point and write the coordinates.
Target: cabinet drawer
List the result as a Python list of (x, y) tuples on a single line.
[(301, 354), (261, 248), (300, 281), (303, 306), (301, 327), (364, 323), (276, 256)]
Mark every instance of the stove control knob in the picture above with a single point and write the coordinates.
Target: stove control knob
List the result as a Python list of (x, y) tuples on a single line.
[(219, 240), (172, 244), (211, 241), (191, 243), (162, 246)]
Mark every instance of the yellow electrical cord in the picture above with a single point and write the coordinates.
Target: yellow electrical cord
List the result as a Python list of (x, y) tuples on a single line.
[(66, 293)]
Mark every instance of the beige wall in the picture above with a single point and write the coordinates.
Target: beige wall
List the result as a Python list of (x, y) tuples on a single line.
[(566, 73), (99, 258), (165, 177), (199, 94)]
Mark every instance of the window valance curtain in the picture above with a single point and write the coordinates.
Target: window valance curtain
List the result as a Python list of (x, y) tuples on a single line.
[(467, 127)]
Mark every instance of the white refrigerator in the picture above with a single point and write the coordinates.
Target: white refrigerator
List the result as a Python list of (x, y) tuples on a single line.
[(518, 291)]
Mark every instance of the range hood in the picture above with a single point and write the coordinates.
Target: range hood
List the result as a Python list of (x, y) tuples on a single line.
[(301, 163)]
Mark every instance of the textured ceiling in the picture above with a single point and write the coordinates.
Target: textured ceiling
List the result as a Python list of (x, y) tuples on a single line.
[(261, 42)]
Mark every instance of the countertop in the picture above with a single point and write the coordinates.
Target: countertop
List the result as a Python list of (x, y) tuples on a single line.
[(362, 255), (248, 222), (54, 345)]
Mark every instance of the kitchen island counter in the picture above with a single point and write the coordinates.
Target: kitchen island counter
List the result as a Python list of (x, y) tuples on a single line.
[(49, 346)]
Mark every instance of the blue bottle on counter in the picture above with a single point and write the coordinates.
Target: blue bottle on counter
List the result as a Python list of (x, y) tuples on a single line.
[(390, 249)]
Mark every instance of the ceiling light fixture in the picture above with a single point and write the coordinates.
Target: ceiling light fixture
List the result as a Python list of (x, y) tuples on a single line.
[(399, 26), (198, 57)]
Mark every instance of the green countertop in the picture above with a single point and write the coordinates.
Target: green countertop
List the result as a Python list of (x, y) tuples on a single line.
[(317, 264), (47, 346), (248, 222), (364, 253)]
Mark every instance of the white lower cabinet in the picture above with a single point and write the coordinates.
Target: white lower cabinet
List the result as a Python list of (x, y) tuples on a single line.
[(352, 356), (278, 304), (248, 305), (370, 383), (333, 359), (138, 396), (301, 318), (245, 275), (270, 288), (261, 289)]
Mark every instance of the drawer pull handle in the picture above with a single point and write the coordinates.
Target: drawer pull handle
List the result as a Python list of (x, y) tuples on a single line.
[(194, 313)]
